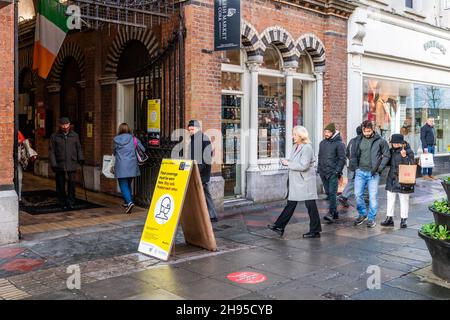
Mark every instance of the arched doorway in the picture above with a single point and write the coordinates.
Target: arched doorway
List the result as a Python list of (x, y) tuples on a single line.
[(71, 105), (27, 104)]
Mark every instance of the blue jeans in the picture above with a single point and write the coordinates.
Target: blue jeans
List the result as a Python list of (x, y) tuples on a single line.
[(363, 179), (428, 171), (125, 188)]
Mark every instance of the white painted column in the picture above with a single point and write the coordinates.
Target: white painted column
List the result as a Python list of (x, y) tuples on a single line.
[(354, 95), (319, 110), (253, 150), (289, 72)]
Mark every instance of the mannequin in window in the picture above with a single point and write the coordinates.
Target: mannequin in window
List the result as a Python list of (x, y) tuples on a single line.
[(383, 114)]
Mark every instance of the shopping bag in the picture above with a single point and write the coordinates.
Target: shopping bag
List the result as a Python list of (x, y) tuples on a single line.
[(108, 166), (407, 174), (426, 160)]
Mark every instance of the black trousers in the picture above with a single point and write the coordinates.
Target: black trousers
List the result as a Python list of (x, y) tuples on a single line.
[(60, 177), (331, 186), (314, 218), (209, 201)]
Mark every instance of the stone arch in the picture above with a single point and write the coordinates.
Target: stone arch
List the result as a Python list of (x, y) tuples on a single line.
[(26, 62), (283, 40), (68, 49), (251, 41), (147, 37), (315, 48)]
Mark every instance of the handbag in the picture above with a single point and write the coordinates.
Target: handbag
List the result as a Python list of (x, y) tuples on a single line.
[(426, 160), (141, 156)]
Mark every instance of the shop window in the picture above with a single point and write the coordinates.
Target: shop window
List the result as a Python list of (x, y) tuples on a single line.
[(231, 57), (305, 64), (271, 117), (272, 58), (231, 81), (400, 107), (297, 104)]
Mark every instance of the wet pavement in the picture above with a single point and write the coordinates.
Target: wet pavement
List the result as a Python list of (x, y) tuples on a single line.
[(337, 266)]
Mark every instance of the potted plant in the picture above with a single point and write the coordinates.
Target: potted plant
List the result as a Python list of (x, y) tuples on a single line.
[(446, 184), (437, 239), (441, 212)]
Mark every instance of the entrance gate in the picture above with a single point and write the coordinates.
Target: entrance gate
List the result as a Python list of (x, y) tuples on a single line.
[(163, 79)]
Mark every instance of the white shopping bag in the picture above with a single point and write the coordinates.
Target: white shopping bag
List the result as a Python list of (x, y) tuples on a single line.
[(108, 166), (426, 160)]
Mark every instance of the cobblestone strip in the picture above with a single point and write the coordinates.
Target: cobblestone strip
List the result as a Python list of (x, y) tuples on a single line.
[(10, 292)]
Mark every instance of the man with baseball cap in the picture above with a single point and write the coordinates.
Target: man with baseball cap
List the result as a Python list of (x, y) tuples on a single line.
[(64, 156)]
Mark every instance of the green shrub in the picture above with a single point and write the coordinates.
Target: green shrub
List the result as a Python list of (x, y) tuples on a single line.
[(436, 232), (441, 206)]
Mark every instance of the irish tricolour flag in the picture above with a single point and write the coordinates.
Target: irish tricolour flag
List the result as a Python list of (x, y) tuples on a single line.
[(51, 29)]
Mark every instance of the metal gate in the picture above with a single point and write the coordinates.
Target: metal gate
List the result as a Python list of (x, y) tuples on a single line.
[(162, 78)]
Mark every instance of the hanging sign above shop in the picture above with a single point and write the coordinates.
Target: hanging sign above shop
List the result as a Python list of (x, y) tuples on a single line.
[(227, 24)]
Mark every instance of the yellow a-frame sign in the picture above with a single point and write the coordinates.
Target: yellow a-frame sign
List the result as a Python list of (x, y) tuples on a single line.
[(178, 195)]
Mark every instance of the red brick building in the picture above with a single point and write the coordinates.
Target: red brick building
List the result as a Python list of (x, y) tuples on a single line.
[(8, 197), (291, 70)]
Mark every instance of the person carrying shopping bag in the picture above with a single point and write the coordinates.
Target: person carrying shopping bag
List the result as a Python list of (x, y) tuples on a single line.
[(302, 184), (401, 154), (126, 163)]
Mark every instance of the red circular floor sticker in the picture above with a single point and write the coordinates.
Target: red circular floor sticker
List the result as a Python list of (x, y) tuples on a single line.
[(247, 277)]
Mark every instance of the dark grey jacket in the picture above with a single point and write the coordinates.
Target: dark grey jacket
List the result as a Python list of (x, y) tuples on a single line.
[(392, 183), (331, 156), (380, 154), (201, 150), (65, 151), (427, 136)]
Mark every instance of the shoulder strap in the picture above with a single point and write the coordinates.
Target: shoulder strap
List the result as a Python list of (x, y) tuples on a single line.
[(134, 141)]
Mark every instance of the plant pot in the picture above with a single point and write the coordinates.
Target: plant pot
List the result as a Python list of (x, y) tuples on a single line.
[(440, 255), (441, 219), (446, 187)]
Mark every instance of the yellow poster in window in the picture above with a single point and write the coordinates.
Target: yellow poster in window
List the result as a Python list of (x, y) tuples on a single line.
[(153, 116), (166, 207)]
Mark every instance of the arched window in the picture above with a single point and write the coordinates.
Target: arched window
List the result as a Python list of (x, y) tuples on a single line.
[(305, 64), (133, 58), (272, 58)]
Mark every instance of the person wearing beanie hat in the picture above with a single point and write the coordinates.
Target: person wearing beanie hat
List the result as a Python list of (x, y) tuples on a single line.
[(331, 127), (330, 165), (200, 150), (401, 153)]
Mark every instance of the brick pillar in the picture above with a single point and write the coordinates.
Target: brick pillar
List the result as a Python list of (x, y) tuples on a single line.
[(9, 211)]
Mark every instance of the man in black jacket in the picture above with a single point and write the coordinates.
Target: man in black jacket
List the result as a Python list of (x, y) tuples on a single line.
[(64, 155), (428, 139), (369, 157), (201, 150), (331, 163)]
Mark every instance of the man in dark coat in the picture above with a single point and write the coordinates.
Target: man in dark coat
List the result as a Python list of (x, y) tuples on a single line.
[(369, 157), (331, 163), (428, 140), (64, 155), (201, 151), (401, 153)]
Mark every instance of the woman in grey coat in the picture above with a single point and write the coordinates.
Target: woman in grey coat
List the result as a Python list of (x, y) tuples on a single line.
[(126, 164), (302, 184)]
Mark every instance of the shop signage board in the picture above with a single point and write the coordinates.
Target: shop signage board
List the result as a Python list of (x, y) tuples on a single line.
[(153, 122), (227, 24), (178, 196)]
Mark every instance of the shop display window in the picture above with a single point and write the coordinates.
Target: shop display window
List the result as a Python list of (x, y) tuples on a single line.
[(231, 81), (402, 107), (271, 117)]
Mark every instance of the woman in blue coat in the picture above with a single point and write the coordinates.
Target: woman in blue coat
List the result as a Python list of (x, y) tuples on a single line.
[(126, 165)]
